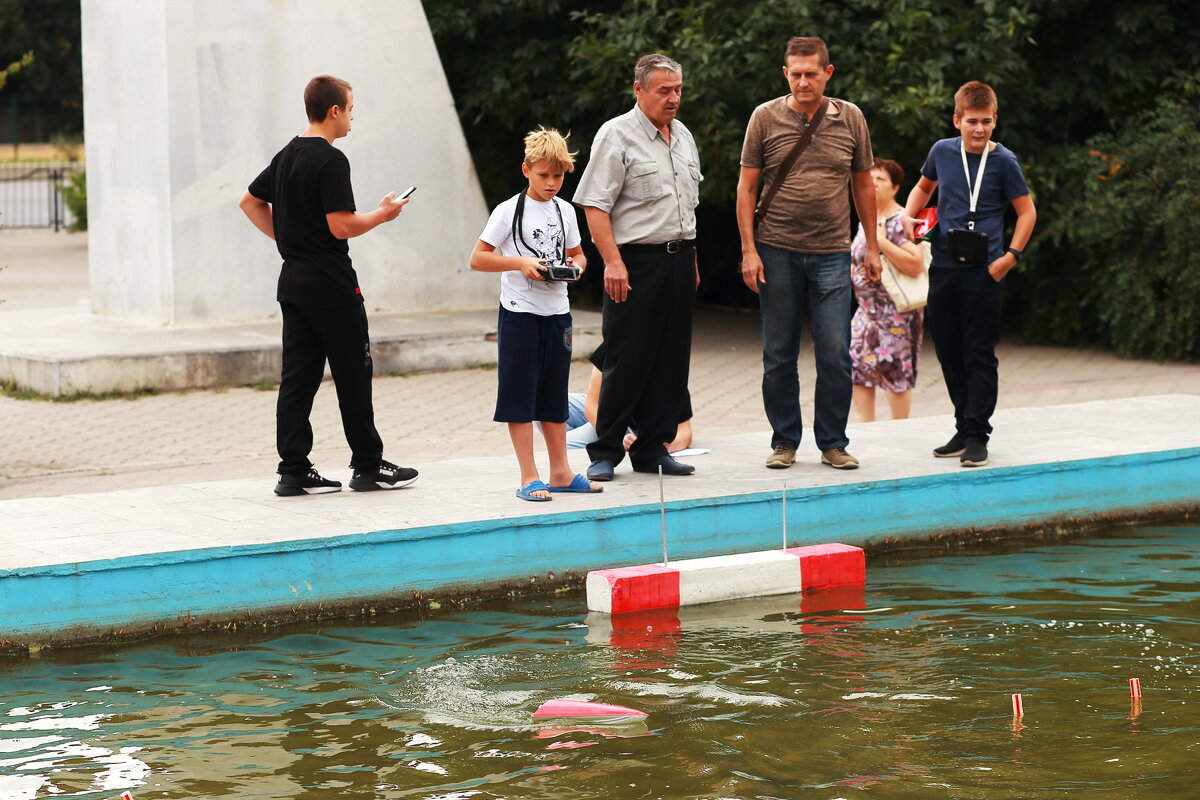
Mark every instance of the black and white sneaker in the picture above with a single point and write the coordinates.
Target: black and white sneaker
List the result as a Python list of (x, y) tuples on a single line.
[(386, 476), (311, 482)]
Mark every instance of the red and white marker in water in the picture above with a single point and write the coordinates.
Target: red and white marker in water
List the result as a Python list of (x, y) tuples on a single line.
[(716, 578), (126, 795), (1135, 689), (582, 709), (1018, 706)]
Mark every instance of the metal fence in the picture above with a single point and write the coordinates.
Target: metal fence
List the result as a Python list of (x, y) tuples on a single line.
[(30, 198)]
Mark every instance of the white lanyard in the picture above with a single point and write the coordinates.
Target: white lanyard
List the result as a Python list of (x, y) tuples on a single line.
[(962, 148)]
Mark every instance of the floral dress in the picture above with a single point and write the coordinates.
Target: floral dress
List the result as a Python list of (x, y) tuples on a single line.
[(884, 343)]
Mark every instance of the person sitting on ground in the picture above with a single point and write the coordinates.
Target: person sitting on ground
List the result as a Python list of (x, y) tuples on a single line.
[(524, 236), (884, 343), (304, 201), (581, 418)]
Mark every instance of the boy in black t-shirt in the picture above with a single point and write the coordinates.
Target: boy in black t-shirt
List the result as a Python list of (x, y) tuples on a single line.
[(304, 201)]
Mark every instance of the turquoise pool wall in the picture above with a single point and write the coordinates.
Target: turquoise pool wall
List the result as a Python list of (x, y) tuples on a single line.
[(80, 601)]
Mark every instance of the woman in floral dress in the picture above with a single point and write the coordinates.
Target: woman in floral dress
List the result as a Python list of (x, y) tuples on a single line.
[(884, 343)]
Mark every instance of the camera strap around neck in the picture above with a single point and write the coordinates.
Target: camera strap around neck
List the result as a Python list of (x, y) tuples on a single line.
[(974, 192), (519, 235)]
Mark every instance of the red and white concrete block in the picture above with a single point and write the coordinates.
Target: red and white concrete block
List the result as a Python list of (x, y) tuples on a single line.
[(710, 580)]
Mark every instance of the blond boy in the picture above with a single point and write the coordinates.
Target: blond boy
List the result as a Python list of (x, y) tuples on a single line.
[(525, 236)]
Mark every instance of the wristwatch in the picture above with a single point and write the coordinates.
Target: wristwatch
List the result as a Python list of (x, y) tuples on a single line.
[(1016, 253)]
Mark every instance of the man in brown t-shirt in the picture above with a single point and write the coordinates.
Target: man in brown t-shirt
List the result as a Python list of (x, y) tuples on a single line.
[(798, 259)]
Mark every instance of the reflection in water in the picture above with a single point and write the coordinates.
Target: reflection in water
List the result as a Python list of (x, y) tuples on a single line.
[(900, 691)]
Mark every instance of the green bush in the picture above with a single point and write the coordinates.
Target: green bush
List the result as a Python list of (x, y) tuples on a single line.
[(1065, 71), (74, 193), (68, 146), (1115, 257)]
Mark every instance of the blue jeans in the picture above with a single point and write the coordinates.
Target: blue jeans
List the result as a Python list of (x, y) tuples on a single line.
[(819, 285)]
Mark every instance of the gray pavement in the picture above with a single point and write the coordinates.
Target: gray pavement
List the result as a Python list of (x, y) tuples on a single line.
[(42, 269), (479, 487), (55, 448)]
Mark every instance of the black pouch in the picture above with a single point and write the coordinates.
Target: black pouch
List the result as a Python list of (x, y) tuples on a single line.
[(967, 247)]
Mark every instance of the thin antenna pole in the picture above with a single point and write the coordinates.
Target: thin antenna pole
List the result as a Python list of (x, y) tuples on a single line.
[(662, 511), (785, 515)]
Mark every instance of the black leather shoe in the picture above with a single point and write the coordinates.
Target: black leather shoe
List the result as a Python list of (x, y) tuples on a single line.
[(669, 466), (600, 470)]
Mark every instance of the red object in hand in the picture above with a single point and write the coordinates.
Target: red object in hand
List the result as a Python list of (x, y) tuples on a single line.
[(929, 221)]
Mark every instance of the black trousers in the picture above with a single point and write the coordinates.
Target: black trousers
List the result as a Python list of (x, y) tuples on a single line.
[(648, 350), (964, 320), (310, 336)]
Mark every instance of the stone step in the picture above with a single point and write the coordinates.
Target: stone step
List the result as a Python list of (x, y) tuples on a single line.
[(69, 350)]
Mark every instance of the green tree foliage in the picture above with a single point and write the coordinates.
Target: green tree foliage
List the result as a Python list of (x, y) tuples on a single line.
[(44, 97), (889, 58), (1119, 265), (51, 30), (508, 64), (1065, 71), (74, 193), (14, 68)]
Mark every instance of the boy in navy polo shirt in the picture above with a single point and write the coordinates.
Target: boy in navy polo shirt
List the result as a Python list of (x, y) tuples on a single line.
[(976, 180), (523, 237)]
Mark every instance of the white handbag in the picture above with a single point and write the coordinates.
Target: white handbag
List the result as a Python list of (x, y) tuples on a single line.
[(908, 292)]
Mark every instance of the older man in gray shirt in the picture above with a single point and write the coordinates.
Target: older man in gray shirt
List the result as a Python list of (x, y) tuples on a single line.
[(640, 192)]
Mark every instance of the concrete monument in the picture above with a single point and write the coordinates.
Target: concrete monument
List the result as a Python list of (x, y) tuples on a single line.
[(187, 100)]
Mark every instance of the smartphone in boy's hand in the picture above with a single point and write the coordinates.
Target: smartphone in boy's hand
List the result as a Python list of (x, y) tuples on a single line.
[(404, 194)]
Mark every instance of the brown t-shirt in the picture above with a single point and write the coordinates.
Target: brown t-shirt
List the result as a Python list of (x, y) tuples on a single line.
[(811, 212)]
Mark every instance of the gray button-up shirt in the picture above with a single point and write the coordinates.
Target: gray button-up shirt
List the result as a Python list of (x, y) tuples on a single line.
[(649, 189)]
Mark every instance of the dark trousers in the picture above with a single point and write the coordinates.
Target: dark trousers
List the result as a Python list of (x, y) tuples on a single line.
[(964, 320), (648, 349), (310, 336)]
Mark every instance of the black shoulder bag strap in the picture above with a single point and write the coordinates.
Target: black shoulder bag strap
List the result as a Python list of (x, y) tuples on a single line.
[(789, 162)]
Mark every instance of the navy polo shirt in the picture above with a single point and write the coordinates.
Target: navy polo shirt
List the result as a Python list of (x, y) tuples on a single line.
[(1003, 182)]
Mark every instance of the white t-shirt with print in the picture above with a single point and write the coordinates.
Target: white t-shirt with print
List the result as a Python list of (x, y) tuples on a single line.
[(541, 237)]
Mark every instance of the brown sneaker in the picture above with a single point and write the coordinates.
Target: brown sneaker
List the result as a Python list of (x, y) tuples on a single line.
[(782, 457), (838, 458)]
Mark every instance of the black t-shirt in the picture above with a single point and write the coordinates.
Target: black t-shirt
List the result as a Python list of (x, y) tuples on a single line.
[(306, 180)]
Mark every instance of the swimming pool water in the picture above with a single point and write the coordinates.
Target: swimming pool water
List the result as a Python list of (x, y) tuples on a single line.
[(899, 691)]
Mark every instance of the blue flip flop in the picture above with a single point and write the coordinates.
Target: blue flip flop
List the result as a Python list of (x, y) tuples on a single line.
[(526, 492), (578, 484)]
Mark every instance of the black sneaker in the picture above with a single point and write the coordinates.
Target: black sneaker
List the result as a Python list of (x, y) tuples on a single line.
[(952, 448), (386, 476), (974, 455), (311, 482)]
